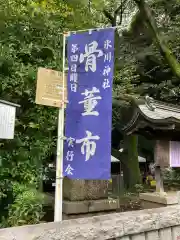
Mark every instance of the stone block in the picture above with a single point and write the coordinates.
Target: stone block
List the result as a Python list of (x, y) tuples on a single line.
[(103, 205), (78, 207), (151, 205), (75, 207), (85, 215), (120, 226), (156, 200), (79, 190)]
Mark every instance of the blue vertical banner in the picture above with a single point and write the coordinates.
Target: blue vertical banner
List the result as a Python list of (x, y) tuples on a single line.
[(87, 148)]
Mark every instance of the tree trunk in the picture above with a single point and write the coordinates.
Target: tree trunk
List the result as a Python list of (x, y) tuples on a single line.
[(134, 174), (146, 14), (129, 161), (130, 167), (124, 165)]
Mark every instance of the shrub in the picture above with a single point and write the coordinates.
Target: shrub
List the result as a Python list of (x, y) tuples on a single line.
[(27, 207)]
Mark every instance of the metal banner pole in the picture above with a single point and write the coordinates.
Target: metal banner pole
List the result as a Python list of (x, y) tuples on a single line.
[(60, 142)]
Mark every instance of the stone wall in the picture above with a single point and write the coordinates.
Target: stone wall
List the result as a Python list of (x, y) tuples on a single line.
[(153, 224), (80, 190)]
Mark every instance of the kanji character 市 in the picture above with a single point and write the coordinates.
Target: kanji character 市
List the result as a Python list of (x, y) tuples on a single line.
[(107, 44), (88, 147), (69, 156), (69, 170), (106, 70), (90, 102), (91, 53), (106, 83)]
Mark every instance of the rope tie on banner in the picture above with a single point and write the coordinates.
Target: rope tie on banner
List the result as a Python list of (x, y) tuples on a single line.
[(63, 138), (88, 30), (60, 178)]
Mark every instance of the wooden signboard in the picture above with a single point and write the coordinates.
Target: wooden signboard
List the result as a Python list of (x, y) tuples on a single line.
[(49, 89), (162, 153)]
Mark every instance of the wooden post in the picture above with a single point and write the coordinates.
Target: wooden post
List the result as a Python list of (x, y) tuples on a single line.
[(159, 180), (158, 152)]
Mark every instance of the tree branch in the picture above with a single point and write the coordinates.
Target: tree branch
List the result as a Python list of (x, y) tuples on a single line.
[(89, 5), (108, 16), (120, 6), (163, 47), (113, 18), (123, 97)]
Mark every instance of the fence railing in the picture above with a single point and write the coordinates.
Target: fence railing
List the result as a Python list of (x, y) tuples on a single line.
[(153, 224)]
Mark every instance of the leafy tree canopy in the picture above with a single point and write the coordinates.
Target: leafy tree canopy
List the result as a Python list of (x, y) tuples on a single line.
[(31, 38)]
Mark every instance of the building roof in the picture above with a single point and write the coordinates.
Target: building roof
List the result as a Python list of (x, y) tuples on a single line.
[(153, 116), (140, 159), (9, 103), (156, 111)]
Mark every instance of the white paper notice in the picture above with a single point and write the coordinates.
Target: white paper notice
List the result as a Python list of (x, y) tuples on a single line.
[(7, 121)]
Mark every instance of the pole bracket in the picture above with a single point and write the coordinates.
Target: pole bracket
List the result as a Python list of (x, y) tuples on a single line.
[(63, 138)]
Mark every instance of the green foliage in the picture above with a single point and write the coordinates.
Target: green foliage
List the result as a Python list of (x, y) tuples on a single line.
[(30, 38), (27, 207), (139, 188), (171, 176), (142, 64), (149, 73)]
